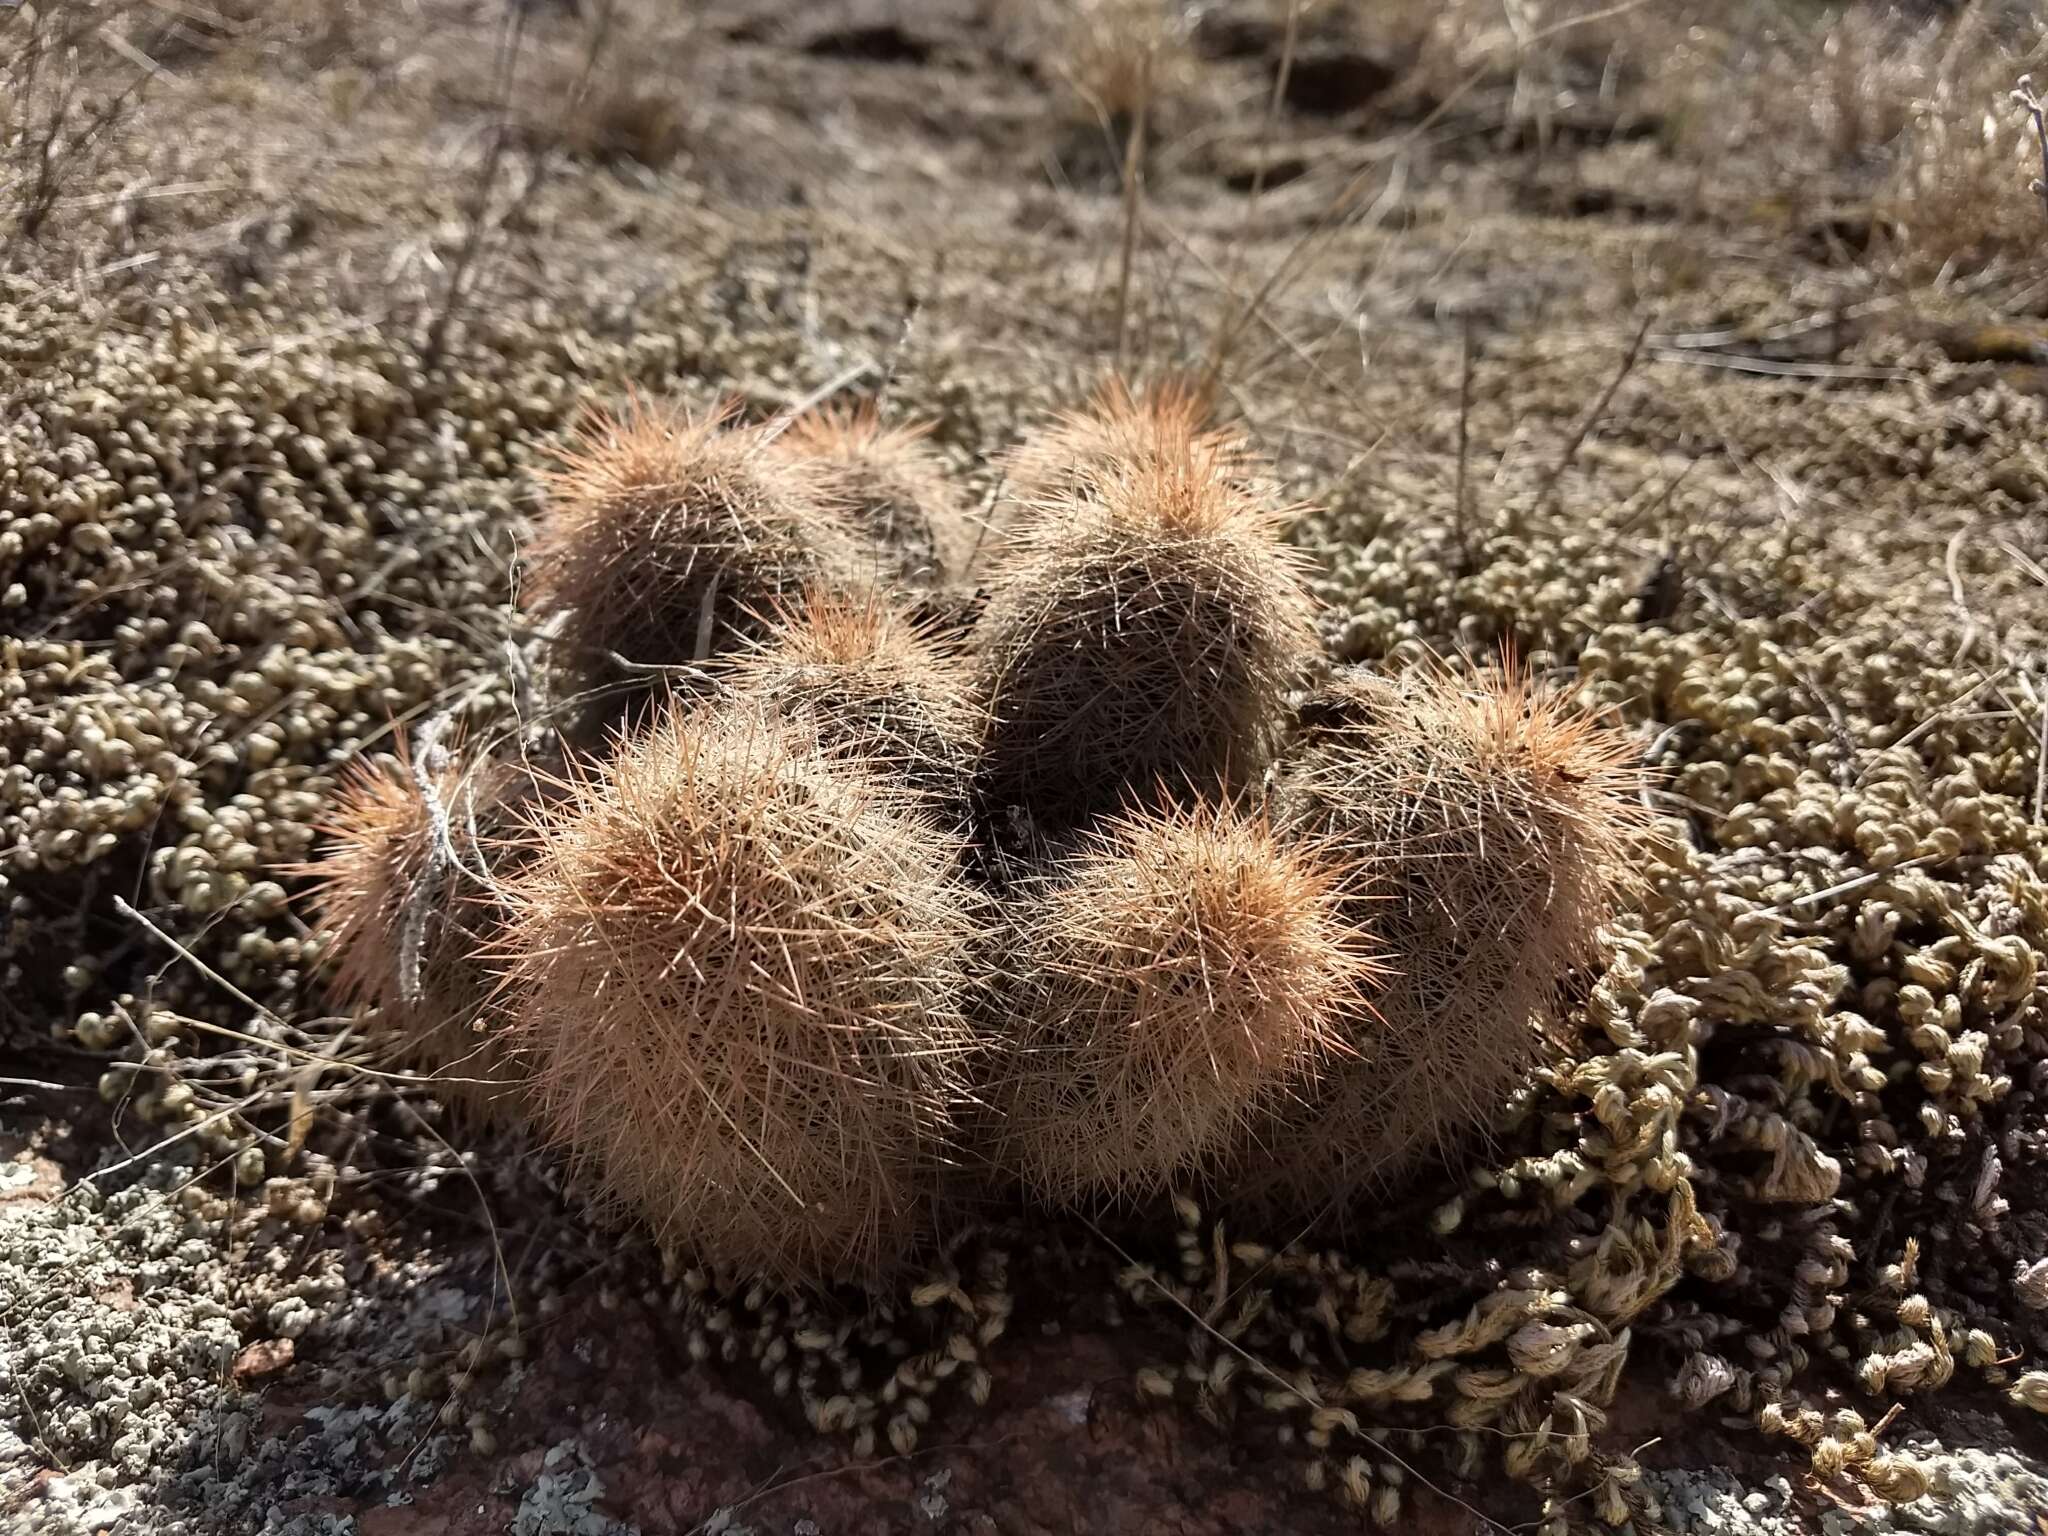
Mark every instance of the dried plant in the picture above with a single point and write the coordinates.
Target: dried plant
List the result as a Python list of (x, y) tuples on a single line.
[(1547, 56), (66, 94), (1119, 57), (1141, 631), (1874, 99), (1959, 193), (1166, 988), (667, 536), (894, 488), (2028, 100), (614, 102), (737, 970), (1498, 827), (875, 686)]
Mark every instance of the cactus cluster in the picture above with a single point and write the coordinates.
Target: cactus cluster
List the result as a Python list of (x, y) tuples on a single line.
[(771, 964)]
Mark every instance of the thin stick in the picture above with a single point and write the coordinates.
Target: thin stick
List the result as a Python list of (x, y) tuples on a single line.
[(170, 1141), (284, 1049), (428, 759), (849, 375), (1273, 104), (1946, 712), (1779, 369), (288, 1051), (1857, 884), (1663, 498), (704, 621), (1134, 179), (134, 55), (1959, 597), (1464, 441), (2031, 103), (985, 521), (2041, 753), (1592, 417), (477, 214), (127, 911)]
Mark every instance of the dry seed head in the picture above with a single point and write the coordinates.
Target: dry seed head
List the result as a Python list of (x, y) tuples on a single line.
[(1119, 56), (1500, 826), (666, 533), (893, 488), (737, 969), (1168, 989), (376, 903), (874, 685), (1144, 631)]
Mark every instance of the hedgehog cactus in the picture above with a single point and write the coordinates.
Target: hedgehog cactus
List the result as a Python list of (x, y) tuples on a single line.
[(405, 921), (1498, 826), (894, 489), (665, 535), (875, 686), (1141, 631), (1116, 432), (738, 971), (1167, 989)]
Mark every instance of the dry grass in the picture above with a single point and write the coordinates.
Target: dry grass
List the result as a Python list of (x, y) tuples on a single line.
[(1959, 193), (1169, 986), (641, 121), (1905, 113), (1814, 100), (1142, 631), (1119, 57), (737, 970), (669, 536), (612, 91), (1498, 827), (893, 487), (69, 85), (1549, 57), (875, 686)]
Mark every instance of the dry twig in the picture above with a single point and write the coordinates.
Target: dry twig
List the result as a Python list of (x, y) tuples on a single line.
[(1592, 417), (2030, 102)]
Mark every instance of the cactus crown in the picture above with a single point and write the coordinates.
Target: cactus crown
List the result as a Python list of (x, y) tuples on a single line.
[(1142, 632), (404, 927), (1174, 981), (667, 532), (873, 684), (893, 488), (1121, 430)]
